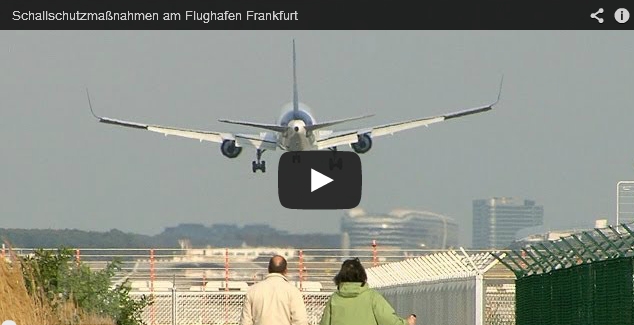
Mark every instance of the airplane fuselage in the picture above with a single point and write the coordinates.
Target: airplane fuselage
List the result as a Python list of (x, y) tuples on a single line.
[(296, 137)]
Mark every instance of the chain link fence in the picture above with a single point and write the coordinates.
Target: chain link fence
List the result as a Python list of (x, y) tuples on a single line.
[(192, 308), (500, 303), (449, 288)]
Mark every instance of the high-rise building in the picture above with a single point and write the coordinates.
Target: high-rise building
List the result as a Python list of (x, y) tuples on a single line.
[(407, 229), (497, 220), (624, 202)]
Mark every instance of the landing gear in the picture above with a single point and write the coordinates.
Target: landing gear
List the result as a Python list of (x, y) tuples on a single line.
[(334, 161), (257, 164), (261, 166)]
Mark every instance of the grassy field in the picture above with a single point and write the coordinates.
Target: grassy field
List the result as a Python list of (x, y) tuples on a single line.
[(16, 304)]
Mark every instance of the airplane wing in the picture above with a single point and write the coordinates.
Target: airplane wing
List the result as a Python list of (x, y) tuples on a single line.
[(337, 139), (265, 140), (351, 136)]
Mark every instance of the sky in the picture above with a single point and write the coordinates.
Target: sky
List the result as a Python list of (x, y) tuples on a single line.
[(561, 134)]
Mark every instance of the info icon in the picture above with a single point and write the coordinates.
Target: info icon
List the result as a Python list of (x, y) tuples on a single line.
[(319, 180)]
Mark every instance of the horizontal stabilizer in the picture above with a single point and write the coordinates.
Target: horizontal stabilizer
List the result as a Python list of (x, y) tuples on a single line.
[(331, 123), (272, 127)]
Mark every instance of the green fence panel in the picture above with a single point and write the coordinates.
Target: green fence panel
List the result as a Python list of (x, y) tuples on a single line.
[(598, 293)]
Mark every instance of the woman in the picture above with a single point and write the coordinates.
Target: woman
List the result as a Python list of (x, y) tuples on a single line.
[(355, 303)]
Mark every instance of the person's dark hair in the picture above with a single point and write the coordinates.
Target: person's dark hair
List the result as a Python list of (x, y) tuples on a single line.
[(277, 264), (351, 271)]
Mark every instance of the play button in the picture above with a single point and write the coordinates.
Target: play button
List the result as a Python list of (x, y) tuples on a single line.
[(317, 180), (305, 177)]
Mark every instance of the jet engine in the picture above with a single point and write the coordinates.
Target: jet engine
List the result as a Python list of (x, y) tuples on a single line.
[(229, 149), (364, 144)]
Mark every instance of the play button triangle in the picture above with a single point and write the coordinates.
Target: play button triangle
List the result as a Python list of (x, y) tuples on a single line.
[(318, 180)]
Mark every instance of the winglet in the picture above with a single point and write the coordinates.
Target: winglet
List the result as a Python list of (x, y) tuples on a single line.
[(477, 109), (90, 105), (499, 92)]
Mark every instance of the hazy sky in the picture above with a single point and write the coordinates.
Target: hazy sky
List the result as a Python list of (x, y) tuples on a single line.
[(561, 134)]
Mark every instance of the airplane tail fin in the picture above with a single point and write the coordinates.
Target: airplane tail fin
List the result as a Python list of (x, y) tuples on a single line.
[(334, 122), (296, 102), (279, 128), (295, 95)]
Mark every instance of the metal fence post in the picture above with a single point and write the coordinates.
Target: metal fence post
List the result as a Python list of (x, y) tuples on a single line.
[(174, 307), (301, 267), (226, 285), (152, 308), (374, 255), (205, 297), (479, 292), (479, 301)]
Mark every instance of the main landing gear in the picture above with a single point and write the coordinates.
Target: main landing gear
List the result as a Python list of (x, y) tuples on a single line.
[(257, 164)]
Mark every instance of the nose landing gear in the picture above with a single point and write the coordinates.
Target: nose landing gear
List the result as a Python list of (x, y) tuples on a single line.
[(334, 161), (257, 164)]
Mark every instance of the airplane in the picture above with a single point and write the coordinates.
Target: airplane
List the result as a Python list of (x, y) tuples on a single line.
[(296, 130)]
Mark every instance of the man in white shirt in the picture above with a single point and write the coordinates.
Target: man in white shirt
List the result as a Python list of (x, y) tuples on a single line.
[(274, 301)]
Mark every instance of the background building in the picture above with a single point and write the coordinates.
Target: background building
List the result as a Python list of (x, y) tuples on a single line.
[(532, 236), (497, 220), (624, 202), (406, 229)]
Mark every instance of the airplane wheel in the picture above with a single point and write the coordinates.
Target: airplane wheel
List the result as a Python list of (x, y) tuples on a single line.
[(255, 167), (263, 166)]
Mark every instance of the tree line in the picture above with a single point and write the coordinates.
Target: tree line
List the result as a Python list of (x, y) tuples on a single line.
[(198, 235)]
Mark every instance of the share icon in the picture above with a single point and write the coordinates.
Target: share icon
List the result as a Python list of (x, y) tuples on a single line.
[(595, 15)]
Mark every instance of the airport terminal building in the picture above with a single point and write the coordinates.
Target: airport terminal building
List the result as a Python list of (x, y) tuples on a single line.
[(406, 229)]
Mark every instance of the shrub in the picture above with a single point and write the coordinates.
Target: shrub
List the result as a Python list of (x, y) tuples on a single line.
[(56, 275)]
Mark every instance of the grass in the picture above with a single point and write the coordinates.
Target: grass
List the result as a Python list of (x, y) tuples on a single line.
[(35, 309)]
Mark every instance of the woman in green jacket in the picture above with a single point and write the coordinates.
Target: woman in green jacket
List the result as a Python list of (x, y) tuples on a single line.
[(354, 303)]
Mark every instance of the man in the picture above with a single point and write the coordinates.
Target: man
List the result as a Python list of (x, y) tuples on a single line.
[(274, 301)]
